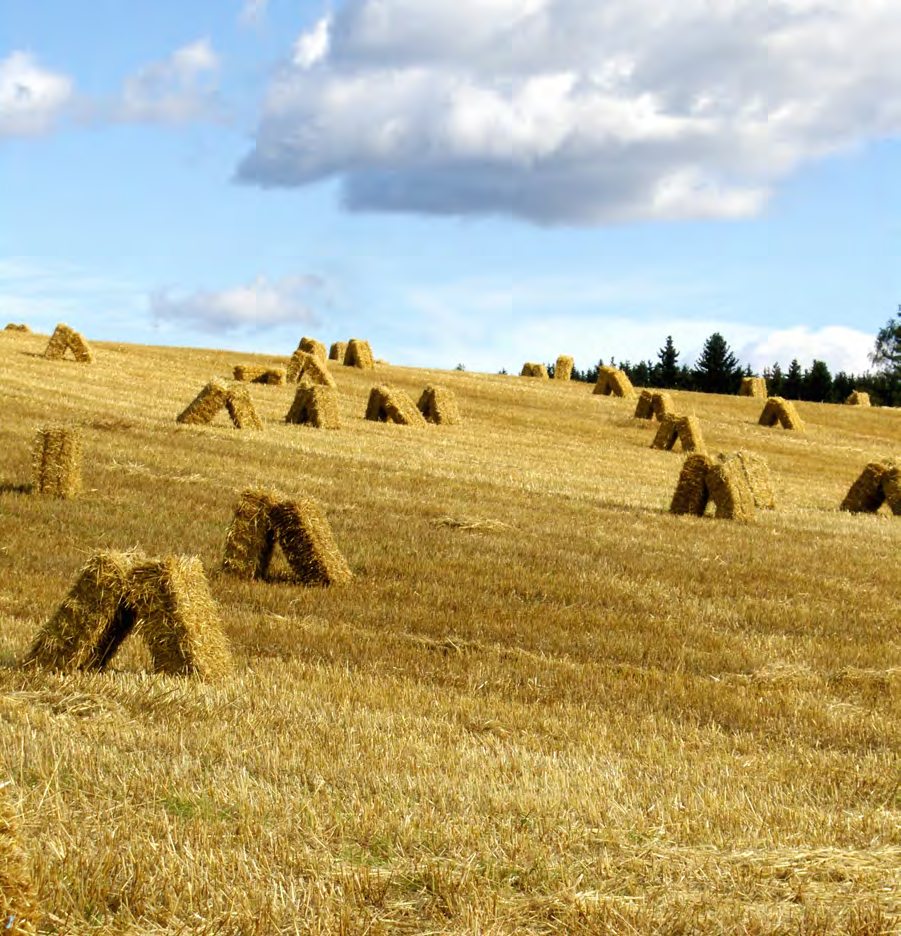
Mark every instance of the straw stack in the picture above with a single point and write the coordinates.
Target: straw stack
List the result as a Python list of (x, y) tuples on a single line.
[(67, 339), (683, 429), (314, 406), (56, 461), (250, 540), (310, 367), (692, 494), (314, 347), (253, 373), (778, 411), (391, 404), (337, 351), (753, 387), (359, 354), (867, 494), (613, 382), (858, 398), (563, 369), (306, 539), (439, 405), (729, 489), (530, 369)]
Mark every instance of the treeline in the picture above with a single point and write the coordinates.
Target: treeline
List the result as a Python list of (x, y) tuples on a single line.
[(719, 371)]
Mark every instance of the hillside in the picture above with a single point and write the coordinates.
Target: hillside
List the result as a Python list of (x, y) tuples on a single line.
[(543, 705)]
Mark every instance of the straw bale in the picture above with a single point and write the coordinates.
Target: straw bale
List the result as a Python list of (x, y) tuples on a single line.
[(563, 369), (390, 404), (891, 485), (308, 544), (684, 429), (92, 621), (177, 617), (314, 406), (644, 408), (783, 412), (56, 461), (310, 367), (692, 493), (439, 405), (314, 347), (729, 489), (613, 382), (205, 405), (67, 339), (17, 328), (858, 398), (757, 474), (240, 407), (662, 405), (867, 494), (18, 897), (337, 351), (530, 369), (254, 373), (250, 540), (753, 387), (358, 354)]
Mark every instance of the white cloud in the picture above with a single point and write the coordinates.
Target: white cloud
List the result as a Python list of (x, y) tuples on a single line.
[(263, 304), (841, 348), (179, 89), (32, 98), (574, 111)]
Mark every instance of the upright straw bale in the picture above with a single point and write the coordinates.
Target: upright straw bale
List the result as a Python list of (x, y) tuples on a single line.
[(692, 493), (314, 347), (563, 369), (867, 493), (439, 405), (250, 540), (757, 474), (753, 387), (80, 348), (391, 404), (240, 407), (201, 410), (858, 398), (662, 404), (310, 367), (17, 328), (337, 351), (177, 617), (781, 411), (56, 461), (254, 373), (729, 489), (18, 897), (613, 382), (93, 619), (307, 541), (891, 486), (359, 354), (530, 369), (644, 408), (314, 406)]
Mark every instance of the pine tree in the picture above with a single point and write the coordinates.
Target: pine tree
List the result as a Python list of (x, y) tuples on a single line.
[(775, 381), (717, 370), (794, 381), (668, 367), (817, 382)]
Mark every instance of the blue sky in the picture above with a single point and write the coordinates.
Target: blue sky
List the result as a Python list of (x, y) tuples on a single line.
[(460, 181)]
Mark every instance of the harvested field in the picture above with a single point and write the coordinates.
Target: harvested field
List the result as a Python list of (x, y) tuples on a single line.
[(543, 704)]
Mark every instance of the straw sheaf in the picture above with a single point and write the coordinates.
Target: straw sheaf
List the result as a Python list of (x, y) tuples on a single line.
[(563, 369), (310, 367), (757, 474), (781, 412), (314, 406), (17, 328), (177, 617), (358, 354), (67, 339), (314, 347), (439, 405), (530, 369), (250, 540), (18, 897), (337, 351), (613, 382), (56, 461), (644, 406), (390, 404), (683, 429), (729, 489), (308, 544), (753, 387), (891, 485), (867, 494), (91, 623), (253, 373), (240, 407), (858, 398), (652, 403), (692, 494), (203, 408)]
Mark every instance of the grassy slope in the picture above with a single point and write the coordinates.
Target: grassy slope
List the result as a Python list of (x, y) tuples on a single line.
[(582, 714)]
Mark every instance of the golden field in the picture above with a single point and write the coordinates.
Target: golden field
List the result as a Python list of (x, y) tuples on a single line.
[(544, 705)]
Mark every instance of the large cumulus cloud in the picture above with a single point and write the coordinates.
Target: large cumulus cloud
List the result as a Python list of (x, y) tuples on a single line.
[(576, 111)]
